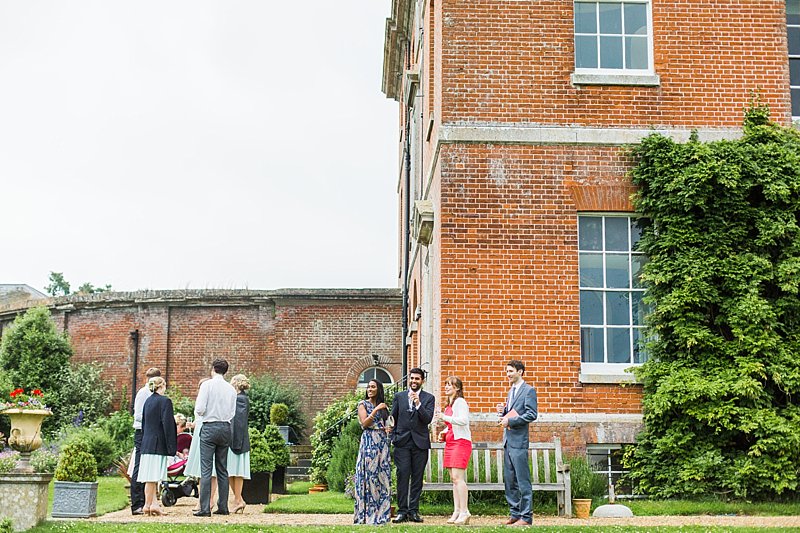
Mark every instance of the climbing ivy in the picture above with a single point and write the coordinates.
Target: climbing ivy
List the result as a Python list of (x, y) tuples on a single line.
[(722, 386)]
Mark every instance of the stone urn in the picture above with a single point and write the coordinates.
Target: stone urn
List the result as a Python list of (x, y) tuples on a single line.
[(26, 434)]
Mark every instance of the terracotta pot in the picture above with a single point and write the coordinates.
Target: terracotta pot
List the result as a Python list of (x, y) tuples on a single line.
[(582, 507)]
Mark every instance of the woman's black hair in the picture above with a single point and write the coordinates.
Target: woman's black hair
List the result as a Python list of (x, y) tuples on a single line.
[(379, 398)]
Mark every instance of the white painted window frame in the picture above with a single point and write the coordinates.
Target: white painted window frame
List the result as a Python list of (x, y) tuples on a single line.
[(621, 76)]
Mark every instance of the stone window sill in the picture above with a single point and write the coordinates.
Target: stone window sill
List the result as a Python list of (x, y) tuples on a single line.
[(593, 378), (646, 80)]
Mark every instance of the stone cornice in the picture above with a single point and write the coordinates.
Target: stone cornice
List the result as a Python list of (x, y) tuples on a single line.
[(398, 34)]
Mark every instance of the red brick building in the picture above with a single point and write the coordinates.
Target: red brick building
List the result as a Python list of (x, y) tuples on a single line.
[(513, 181), (318, 340)]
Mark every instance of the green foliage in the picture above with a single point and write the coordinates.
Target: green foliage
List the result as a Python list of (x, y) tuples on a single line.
[(8, 460), (6, 525), (279, 414), (33, 352), (264, 392), (344, 456), (76, 463), (58, 285), (5, 389), (277, 446), (44, 460), (721, 387), (180, 403), (261, 456), (119, 426), (98, 443), (327, 426), (586, 483), (81, 398)]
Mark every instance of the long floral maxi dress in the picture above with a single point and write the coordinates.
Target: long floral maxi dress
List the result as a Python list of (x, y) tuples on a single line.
[(373, 474)]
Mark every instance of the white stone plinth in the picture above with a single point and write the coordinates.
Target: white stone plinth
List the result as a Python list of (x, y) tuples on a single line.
[(612, 510), (23, 499)]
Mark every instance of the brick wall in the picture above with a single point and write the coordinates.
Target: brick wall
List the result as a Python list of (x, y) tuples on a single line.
[(318, 341)]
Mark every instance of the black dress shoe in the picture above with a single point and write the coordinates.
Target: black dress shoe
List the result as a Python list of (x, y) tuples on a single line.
[(201, 513), (136, 512), (221, 512), (415, 517), (400, 518)]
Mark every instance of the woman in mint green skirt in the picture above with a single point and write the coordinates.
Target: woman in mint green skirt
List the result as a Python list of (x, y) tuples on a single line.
[(239, 452)]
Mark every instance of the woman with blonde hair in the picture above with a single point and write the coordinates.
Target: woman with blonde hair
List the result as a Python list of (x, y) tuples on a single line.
[(458, 446), (239, 451), (159, 442)]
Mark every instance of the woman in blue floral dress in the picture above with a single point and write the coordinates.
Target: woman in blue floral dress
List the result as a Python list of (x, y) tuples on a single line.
[(373, 470)]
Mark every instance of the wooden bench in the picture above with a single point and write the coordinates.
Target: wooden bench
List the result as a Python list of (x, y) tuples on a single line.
[(485, 471)]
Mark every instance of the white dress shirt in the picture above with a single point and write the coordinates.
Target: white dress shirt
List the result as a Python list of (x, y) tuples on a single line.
[(216, 401), (138, 406), (459, 419)]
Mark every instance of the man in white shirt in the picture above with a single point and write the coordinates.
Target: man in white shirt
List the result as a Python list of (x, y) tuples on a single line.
[(137, 489), (216, 404)]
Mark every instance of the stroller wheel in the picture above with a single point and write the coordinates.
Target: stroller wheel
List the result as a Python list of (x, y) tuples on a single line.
[(167, 497)]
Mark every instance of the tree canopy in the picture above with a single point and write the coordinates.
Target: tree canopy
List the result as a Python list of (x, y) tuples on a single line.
[(722, 384)]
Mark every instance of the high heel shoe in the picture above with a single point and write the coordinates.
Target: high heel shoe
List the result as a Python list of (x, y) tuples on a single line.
[(453, 518), (239, 508), (463, 519)]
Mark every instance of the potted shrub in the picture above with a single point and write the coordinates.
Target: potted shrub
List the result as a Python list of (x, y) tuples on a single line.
[(262, 464), (586, 485), (279, 417), (280, 456), (75, 488)]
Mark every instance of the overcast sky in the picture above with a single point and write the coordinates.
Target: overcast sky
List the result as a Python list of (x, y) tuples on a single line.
[(170, 144)]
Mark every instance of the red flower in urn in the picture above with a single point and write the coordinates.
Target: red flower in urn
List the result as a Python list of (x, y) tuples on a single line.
[(20, 400)]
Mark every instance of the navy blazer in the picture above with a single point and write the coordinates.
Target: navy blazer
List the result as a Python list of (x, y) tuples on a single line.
[(413, 424), (526, 406), (240, 442), (159, 433)]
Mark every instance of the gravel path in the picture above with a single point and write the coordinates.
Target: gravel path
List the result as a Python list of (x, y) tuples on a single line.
[(182, 513)]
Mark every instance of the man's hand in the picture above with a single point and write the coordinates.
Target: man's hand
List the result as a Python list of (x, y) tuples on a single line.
[(504, 422), (414, 396), (500, 407)]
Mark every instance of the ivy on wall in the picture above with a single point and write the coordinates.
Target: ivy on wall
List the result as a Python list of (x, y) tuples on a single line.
[(722, 388)]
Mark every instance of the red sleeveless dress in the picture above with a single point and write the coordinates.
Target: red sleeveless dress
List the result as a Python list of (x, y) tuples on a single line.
[(456, 451)]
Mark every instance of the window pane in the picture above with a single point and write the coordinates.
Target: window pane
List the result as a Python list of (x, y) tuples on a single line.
[(591, 270), (619, 345), (639, 309), (794, 40), (637, 263), (590, 235), (635, 19), (636, 230), (794, 72), (617, 275), (585, 52), (796, 102), (793, 11), (636, 53), (639, 351), (592, 345), (617, 234), (598, 460), (610, 52), (592, 308), (586, 17), (610, 18), (618, 308)]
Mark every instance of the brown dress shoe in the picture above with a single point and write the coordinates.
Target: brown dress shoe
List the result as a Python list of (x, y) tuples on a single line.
[(511, 520)]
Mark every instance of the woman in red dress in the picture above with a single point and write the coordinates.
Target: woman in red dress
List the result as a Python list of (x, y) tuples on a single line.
[(458, 446)]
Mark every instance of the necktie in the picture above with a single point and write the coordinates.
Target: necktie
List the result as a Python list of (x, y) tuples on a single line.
[(511, 397)]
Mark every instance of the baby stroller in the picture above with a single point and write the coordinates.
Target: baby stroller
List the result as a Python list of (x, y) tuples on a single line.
[(174, 488)]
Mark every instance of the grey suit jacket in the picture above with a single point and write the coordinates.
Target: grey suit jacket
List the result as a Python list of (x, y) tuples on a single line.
[(526, 406)]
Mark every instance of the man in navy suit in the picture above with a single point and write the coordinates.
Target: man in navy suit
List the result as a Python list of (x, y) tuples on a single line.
[(516, 414), (412, 411)]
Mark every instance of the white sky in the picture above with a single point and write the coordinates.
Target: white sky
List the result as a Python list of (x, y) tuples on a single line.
[(169, 144)]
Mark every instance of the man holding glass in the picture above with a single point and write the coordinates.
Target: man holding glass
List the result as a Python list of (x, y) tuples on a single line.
[(412, 412)]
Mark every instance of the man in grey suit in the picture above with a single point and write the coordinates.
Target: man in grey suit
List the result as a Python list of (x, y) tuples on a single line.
[(515, 415)]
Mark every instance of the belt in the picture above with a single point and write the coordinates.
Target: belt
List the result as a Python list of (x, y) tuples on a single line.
[(215, 422)]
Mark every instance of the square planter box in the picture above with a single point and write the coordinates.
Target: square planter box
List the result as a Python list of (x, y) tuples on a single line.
[(256, 489), (74, 500)]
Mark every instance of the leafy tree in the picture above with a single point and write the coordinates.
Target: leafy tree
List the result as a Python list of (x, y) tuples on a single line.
[(58, 285), (33, 352), (80, 399), (265, 391), (722, 384), (88, 288)]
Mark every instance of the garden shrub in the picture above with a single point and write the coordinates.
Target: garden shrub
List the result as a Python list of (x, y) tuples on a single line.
[(76, 463), (6, 525), (261, 456), (180, 403), (119, 426), (276, 444), (45, 459), (585, 482), (278, 414), (265, 391), (343, 456), (98, 443), (327, 425), (721, 387), (81, 399), (8, 460), (33, 352)]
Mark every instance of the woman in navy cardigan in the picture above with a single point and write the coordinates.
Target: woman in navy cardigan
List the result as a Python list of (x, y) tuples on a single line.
[(159, 442)]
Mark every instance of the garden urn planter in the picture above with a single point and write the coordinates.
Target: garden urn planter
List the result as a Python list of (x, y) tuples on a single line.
[(257, 488), (74, 499), (582, 507), (26, 434)]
